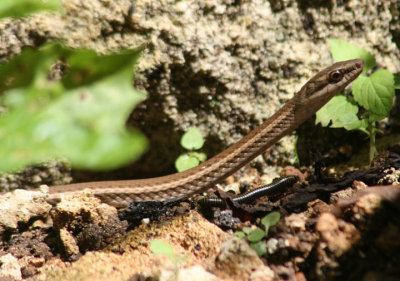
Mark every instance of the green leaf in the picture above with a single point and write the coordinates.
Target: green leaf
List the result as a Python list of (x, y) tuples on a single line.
[(85, 124), (256, 235), (28, 68), (375, 93), (342, 113), (192, 139), (185, 162), (159, 247), (189, 160), (21, 8), (342, 50), (247, 230), (271, 219), (397, 81), (201, 156), (86, 66), (239, 234), (260, 248)]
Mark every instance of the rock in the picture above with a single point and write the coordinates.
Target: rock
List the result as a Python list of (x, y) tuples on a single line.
[(9, 268), (19, 206), (84, 223), (338, 235), (193, 273), (69, 243), (296, 222), (191, 236), (236, 258)]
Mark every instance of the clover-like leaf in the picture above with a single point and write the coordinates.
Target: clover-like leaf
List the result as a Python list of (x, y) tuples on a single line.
[(192, 139), (185, 162), (256, 235), (239, 234), (159, 247), (270, 220), (201, 156), (247, 230), (260, 247)]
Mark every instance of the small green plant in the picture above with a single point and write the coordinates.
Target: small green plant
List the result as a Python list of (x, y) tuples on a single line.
[(255, 236), (372, 96), (191, 140), (80, 115), (159, 247)]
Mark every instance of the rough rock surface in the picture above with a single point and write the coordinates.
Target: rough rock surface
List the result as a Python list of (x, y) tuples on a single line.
[(9, 269), (84, 223), (191, 237), (19, 206), (237, 259), (194, 273)]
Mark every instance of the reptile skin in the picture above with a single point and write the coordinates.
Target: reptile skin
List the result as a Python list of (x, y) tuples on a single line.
[(311, 97)]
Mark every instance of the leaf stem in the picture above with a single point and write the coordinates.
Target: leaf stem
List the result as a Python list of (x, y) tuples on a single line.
[(372, 148)]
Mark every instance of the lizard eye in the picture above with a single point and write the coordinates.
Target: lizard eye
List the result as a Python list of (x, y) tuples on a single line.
[(335, 76)]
